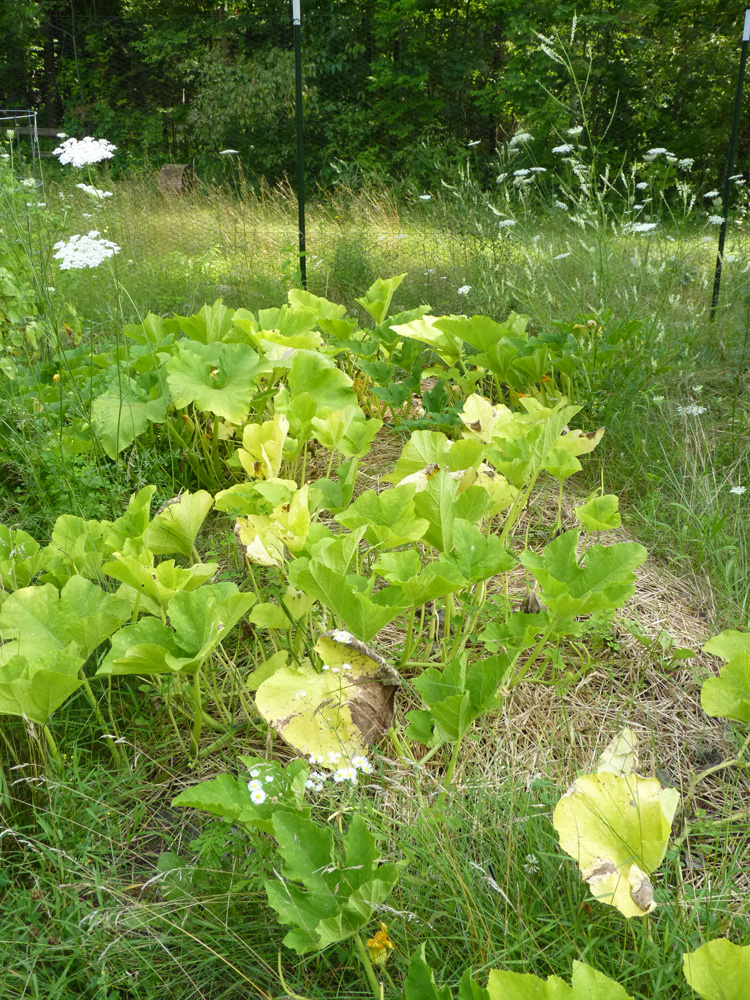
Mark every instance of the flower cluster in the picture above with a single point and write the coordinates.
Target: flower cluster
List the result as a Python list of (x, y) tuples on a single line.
[(84, 251), (691, 410), (82, 152), (94, 192), (346, 772), (255, 787)]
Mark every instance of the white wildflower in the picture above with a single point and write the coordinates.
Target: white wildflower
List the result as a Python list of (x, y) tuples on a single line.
[(538, 170), (642, 185), (519, 138), (28, 182), (425, 197), (228, 152), (739, 490), (345, 774), (500, 178), (686, 163), (315, 758), (561, 256), (504, 223), (258, 796), (522, 172), (639, 227), (691, 410), (361, 763), (333, 756), (464, 289), (711, 194), (62, 135), (94, 192), (255, 773), (341, 635), (697, 388), (576, 130), (562, 205), (658, 399), (531, 864), (346, 666), (566, 147), (268, 779), (716, 220), (254, 786), (474, 142), (659, 151), (84, 251), (82, 152)]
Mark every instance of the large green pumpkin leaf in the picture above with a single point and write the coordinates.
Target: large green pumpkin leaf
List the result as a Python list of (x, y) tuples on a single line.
[(327, 891), (33, 689), (39, 621), (123, 412), (602, 580), (328, 387), (21, 558), (718, 970), (377, 298), (728, 644), (349, 597), (387, 517), (599, 514), (211, 325), (617, 829), (175, 528), (157, 584), (219, 378), (728, 696), (586, 984)]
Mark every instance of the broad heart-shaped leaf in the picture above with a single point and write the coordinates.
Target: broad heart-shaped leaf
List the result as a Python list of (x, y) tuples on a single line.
[(34, 688), (323, 308), (154, 330), (428, 330), (728, 696), (586, 984), (436, 504), (287, 525), (728, 644), (76, 547), (604, 579), (718, 970), (377, 298), (156, 584), (210, 325), (175, 528), (335, 713), (229, 797), (21, 558), (599, 514), (38, 621), (617, 829), (328, 387), (521, 457), (132, 524), (349, 597), (388, 517), (477, 556), (326, 894), (346, 431), (219, 378), (459, 694), (419, 584), (123, 412), (262, 447), (428, 448), (200, 621)]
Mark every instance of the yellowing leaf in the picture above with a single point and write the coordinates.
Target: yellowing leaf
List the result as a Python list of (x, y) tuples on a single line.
[(617, 829), (334, 713), (262, 446), (718, 970), (619, 757)]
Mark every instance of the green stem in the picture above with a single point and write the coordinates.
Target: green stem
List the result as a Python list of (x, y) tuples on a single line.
[(450, 772), (409, 638), (375, 986), (51, 743), (531, 660), (117, 753), (215, 461), (197, 712)]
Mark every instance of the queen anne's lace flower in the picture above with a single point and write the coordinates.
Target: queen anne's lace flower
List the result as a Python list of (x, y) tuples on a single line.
[(464, 290), (84, 251), (82, 152), (739, 490), (566, 147), (715, 220), (94, 192)]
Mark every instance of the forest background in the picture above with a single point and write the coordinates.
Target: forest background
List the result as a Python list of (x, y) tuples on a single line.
[(391, 86)]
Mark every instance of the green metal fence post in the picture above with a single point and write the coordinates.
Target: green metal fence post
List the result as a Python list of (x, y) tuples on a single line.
[(297, 27), (730, 164)]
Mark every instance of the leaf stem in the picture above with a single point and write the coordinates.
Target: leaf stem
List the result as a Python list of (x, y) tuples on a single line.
[(375, 986)]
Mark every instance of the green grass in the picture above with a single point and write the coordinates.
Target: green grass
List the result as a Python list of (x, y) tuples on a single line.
[(82, 911)]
